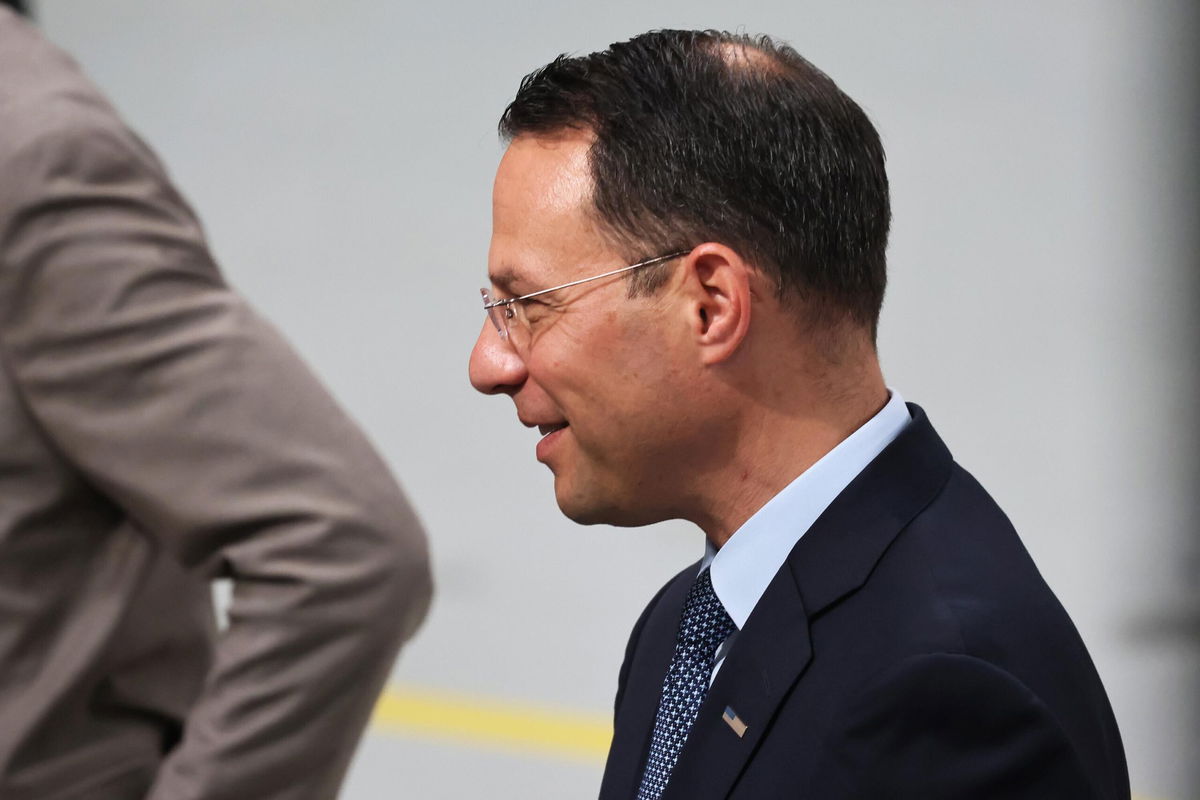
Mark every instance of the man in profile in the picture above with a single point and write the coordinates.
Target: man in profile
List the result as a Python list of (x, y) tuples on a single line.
[(687, 267), (155, 433)]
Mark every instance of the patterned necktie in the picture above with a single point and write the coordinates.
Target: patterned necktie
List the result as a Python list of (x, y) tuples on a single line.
[(702, 627)]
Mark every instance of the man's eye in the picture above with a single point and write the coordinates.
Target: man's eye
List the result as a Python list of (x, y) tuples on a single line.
[(535, 308)]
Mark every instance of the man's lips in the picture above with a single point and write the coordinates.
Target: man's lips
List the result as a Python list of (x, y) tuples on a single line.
[(549, 431), (550, 437)]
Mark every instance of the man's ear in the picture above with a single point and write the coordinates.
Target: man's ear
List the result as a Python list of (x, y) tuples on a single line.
[(717, 287)]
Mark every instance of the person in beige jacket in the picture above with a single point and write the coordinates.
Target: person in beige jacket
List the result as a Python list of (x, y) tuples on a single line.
[(155, 434)]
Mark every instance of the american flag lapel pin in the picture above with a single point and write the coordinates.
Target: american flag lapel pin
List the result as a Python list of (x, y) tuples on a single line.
[(734, 721)]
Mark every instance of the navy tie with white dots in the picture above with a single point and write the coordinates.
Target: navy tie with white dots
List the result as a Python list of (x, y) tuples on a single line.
[(703, 625)]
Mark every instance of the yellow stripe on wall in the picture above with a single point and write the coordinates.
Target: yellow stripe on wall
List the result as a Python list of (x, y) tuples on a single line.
[(486, 722)]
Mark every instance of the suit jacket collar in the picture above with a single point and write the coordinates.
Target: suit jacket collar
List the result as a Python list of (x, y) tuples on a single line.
[(838, 553), (833, 559)]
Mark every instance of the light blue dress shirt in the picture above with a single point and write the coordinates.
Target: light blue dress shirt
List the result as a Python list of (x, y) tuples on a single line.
[(746, 564)]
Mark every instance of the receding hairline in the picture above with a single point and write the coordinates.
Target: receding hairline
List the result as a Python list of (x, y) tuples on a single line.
[(746, 57), (742, 55)]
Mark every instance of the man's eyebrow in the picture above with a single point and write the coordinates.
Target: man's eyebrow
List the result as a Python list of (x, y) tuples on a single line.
[(505, 278)]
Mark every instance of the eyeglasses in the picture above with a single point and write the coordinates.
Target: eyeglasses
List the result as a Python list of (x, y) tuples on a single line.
[(508, 314)]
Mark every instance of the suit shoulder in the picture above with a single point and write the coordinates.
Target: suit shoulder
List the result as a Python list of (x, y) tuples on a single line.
[(958, 578), (973, 559), (960, 566)]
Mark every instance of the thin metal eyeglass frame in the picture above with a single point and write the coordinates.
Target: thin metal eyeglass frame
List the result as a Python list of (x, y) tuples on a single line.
[(502, 323)]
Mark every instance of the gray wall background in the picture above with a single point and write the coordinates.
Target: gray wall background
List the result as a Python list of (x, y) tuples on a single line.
[(1042, 304)]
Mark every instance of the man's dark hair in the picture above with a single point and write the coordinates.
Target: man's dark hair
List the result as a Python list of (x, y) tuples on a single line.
[(712, 136)]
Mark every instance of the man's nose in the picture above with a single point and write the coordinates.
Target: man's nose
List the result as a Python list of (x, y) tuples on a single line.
[(495, 368)]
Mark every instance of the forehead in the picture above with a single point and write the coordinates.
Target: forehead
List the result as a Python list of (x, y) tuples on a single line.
[(542, 226), (545, 173)]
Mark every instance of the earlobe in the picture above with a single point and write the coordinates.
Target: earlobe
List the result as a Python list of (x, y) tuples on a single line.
[(720, 281)]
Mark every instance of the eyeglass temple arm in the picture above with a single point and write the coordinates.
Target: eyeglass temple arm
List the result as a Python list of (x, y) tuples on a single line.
[(510, 300)]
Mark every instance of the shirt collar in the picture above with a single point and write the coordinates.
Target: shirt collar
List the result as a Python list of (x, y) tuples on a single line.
[(748, 561)]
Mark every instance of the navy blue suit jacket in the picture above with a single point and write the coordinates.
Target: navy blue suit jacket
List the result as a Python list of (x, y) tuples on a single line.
[(908, 648)]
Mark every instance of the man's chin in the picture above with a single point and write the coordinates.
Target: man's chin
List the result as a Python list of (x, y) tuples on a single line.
[(576, 510)]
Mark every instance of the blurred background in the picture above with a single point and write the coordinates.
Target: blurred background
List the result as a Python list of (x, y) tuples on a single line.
[(1042, 308)]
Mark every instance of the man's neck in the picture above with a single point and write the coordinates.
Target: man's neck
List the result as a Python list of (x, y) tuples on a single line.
[(774, 446)]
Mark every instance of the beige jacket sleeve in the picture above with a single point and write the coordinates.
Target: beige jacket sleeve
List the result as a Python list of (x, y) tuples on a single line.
[(178, 402)]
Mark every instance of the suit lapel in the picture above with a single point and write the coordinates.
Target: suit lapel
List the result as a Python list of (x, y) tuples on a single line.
[(767, 658), (833, 559)]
